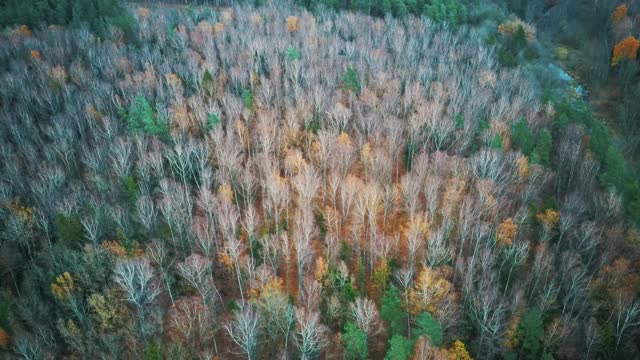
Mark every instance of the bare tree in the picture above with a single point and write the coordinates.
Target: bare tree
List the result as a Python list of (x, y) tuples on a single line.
[(136, 277), (626, 318), (196, 269), (146, 212), (366, 317), (306, 184), (243, 329), (304, 232), (310, 333)]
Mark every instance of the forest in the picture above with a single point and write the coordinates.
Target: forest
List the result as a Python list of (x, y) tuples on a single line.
[(319, 179)]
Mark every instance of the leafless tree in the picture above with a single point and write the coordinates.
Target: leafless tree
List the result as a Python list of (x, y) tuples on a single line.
[(411, 187), (626, 318), (121, 157), (306, 184), (196, 269), (146, 212), (243, 329), (438, 252), (304, 232), (311, 334), (366, 317), (136, 278), (158, 254)]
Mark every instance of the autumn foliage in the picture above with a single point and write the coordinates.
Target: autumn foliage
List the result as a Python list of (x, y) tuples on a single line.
[(5, 338), (271, 183), (625, 49), (292, 24), (620, 13)]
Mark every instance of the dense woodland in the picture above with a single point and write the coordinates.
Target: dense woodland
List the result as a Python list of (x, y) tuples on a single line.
[(282, 180)]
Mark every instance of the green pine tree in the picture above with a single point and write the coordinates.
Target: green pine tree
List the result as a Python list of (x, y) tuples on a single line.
[(391, 311), (542, 152), (399, 348), (427, 326), (355, 342), (615, 171), (530, 334), (292, 54), (522, 137), (350, 81)]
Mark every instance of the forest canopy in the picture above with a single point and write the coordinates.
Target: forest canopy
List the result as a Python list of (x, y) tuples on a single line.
[(396, 179)]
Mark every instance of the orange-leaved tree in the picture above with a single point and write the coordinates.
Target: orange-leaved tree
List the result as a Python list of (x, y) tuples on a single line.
[(620, 13), (625, 49)]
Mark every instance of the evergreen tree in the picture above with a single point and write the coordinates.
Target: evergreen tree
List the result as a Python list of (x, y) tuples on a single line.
[(522, 137), (400, 8), (69, 230), (247, 99), (399, 348), (544, 145), (208, 85), (213, 121), (350, 81), (530, 334), (141, 117), (355, 342), (450, 11), (599, 141), (292, 54), (615, 172), (496, 143), (426, 325), (98, 14), (391, 311)]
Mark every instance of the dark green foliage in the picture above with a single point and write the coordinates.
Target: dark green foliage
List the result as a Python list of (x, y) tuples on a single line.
[(515, 49), (530, 334), (98, 14), (386, 7), (5, 309), (399, 8), (292, 54), (399, 348), (542, 152), (355, 342), (599, 141), (522, 137), (446, 11), (208, 84), (361, 278), (350, 81), (391, 311), (129, 244), (614, 171), (152, 352), (255, 250), (496, 143), (130, 190), (141, 117), (247, 99), (213, 121), (483, 125), (453, 10), (519, 39), (410, 150), (427, 326), (69, 230), (344, 252), (507, 58), (459, 121), (341, 285)]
